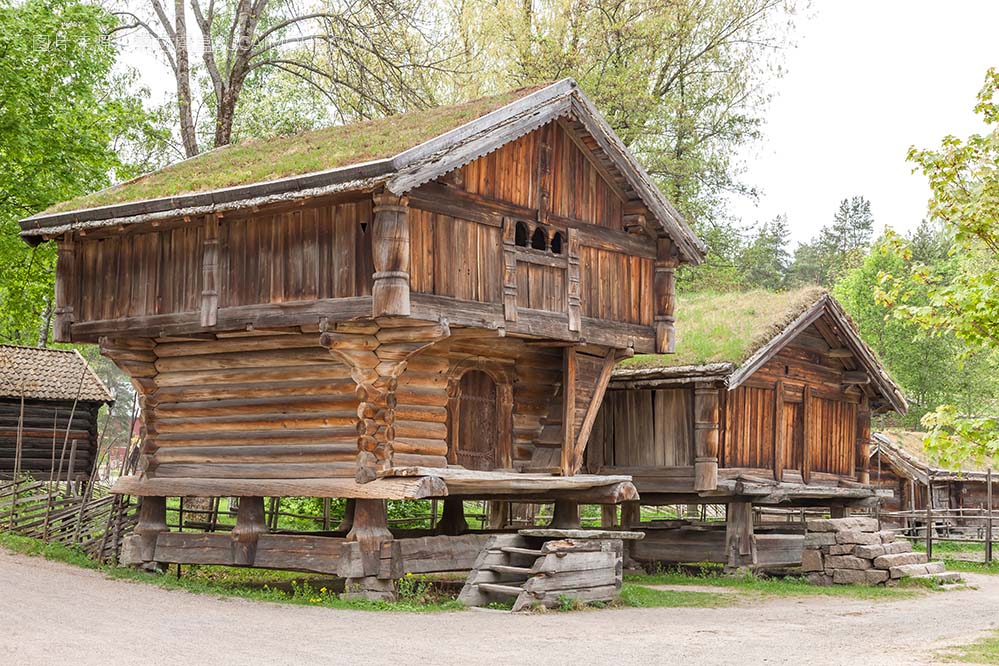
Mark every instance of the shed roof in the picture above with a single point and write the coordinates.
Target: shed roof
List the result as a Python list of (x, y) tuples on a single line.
[(48, 374), (399, 152), (904, 450), (729, 336)]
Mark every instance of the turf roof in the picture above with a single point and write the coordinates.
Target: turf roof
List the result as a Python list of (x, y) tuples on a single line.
[(262, 160), (728, 328)]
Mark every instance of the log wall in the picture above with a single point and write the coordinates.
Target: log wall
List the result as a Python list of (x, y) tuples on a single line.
[(43, 433)]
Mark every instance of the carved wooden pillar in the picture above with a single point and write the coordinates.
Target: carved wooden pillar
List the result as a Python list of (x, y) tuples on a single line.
[(863, 440), (452, 522), (390, 250), (779, 444), (509, 269), (664, 288), (568, 409), (572, 283), (348, 516), (249, 526), (209, 271), (374, 560), (152, 523), (631, 514), (706, 430), (65, 291)]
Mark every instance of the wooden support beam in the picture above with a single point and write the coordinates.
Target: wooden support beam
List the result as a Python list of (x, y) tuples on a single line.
[(568, 409), (706, 431), (664, 296), (603, 379), (249, 526), (152, 523), (778, 421), (390, 251), (856, 377), (509, 269), (452, 522), (806, 435), (209, 272), (370, 530), (572, 281), (863, 449), (65, 288), (740, 543), (839, 352), (565, 516)]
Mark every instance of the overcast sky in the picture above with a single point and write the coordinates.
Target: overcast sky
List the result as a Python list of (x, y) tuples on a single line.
[(866, 81)]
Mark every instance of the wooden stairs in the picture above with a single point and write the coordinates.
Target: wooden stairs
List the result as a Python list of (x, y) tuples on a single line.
[(531, 570)]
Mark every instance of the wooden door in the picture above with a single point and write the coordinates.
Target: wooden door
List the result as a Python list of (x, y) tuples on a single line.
[(476, 442), (794, 436)]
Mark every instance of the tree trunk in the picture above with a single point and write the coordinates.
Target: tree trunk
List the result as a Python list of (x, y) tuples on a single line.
[(183, 75)]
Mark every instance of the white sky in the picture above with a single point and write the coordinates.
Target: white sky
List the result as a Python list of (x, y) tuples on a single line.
[(866, 81)]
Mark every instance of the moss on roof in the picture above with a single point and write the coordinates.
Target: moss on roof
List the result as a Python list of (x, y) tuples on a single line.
[(728, 328), (261, 160)]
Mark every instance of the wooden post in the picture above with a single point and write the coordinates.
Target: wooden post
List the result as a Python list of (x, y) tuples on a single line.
[(706, 429), (370, 577), (499, 514), (664, 296), (209, 271), (778, 421), (608, 515), (370, 530), (740, 544), (65, 291), (509, 269), (348, 516), (806, 433), (572, 281), (838, 511), (631, 514), (390, 251), (568, 409), (988, 518), (565, 516), (864, 441), (929, 517), (249, 526), (152, 522), (452, 522)]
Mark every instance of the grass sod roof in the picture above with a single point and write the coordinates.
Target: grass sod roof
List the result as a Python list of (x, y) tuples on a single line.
[(728, 328), (908, 444), (262, 160)]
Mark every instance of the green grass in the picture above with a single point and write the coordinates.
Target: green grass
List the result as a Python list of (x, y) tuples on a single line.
[(261, 160), (757, 586), (983, 651), (729, 327), (638, 596)]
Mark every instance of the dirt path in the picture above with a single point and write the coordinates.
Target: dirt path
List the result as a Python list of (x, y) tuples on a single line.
[(52, 613)]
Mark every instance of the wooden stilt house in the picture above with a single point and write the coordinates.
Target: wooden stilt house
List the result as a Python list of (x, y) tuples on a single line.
[(49, 401), (428, 305), (767, 402)]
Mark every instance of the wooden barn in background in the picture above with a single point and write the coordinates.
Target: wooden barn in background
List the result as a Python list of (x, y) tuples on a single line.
[(49, 402), (428, 305), (768, 401), (899, 466)]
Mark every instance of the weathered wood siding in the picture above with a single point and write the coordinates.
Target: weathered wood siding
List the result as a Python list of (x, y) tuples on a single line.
[(455, 257), (644, 428), (43, 434), (616, 286)]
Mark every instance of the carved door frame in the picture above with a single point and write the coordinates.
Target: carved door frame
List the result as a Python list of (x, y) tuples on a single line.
[(503, 378)]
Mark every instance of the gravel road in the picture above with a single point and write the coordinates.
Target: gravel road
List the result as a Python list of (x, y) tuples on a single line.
[(52, 613)]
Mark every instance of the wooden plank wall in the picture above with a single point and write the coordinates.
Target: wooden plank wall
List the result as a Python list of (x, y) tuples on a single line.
[(131, 275), (454, 257), (616, 286), (644, 428), (749, 434), (42, 436), (304, 254)]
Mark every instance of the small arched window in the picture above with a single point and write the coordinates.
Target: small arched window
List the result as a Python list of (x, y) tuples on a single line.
[(557, 243), (520, 235), (539, 241)]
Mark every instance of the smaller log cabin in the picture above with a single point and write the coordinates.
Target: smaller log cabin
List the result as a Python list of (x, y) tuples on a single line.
[(900, 468), (426, 305), (768, 401), (49, 402)]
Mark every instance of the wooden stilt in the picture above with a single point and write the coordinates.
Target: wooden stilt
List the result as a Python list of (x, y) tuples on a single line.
[(374, 543), (740, 544), (565, 516), (608, 515), (152, 523), (348, 517), (452, 522), (631, 514), (250, 524), (499, 514)]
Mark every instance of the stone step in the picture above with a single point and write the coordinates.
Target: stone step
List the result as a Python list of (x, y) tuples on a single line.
[(943, 577), (899, 559), (496, 588), (909, 570)]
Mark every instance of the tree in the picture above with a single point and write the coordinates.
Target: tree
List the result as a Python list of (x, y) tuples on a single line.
[(681, 82), (964, 183), (838, 248), (764, 260), (62, 112), (362, 58)]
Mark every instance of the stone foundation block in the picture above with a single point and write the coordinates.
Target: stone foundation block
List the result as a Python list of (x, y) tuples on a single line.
[(849, 577), (858, 523), (819, 579), (847, 562), (899, 559), (906, 570), (820, 539), (858, 537), (843, 549), (811, 560), (900, 546), (869, 552)]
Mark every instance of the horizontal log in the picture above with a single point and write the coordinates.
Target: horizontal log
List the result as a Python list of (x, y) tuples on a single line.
[(254, 437), (233, 407), (318, 372), (431, 447), (346, 452), (297, 356), (337, 420), (387, 488), (292, 389), (255, 470)]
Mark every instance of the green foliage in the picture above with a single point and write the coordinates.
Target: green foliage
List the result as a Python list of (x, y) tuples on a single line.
[(765, 260), (958, 298), (640, 596), (985, 650), (837, 248), (61, 113)]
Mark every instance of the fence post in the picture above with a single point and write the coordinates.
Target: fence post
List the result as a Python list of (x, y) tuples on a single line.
[(988, 519), (929, 518)]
